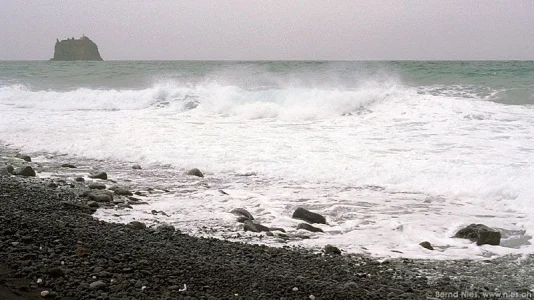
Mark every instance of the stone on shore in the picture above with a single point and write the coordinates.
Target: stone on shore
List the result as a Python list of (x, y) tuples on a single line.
[(68, 166), (99, 175), (306, 226), (137, 225), (308, 216), (136, 167), (79, 179), (97, 186), (254, 227), (98, 195), (195, 172), (24, 157), (99, 284), (8, 170), (241, 212), (426, 245), (481, 234), (93, 204), (122, 192), (25, 171), (332, 250), (166, 227)]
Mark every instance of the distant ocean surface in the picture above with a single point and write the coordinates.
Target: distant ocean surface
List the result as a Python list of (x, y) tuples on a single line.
[(392, 153)]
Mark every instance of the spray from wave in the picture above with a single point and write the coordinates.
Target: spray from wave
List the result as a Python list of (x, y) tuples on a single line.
[(212, 98)]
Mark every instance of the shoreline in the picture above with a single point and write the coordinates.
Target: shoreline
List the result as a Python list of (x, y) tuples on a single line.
[(48, 233)]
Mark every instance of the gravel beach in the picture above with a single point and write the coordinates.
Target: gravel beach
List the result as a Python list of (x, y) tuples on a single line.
[(51, 247)]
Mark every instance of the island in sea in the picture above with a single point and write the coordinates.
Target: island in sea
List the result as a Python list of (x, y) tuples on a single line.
[(76, 49)]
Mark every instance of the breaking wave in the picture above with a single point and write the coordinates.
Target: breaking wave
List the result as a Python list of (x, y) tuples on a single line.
[(212, 99)]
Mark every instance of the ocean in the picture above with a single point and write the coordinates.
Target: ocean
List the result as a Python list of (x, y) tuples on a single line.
[(392, 153)]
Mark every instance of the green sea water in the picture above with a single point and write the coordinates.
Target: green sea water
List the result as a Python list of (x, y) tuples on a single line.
[(509, 82)]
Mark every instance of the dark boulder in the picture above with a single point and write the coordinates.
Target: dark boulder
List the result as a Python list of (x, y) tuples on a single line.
[(254, 227), (426, 245), (332, 250), (93, 204), (99, 175), (241, 212), (79, 179), (24, 157), (8, 170), (165, 227), (137, 225), (195, 172), (308, 216), (136, 167), (308, 227), (481, 234), (52, 185), (99, 195), (122, 192), (26, 171), (68, 166), (97, 186)]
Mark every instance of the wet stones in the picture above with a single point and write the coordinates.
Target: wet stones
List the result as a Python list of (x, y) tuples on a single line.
[(97, 186), (306, 226), (481, 234), (8, 170), (195, 172), (99, 195), (93, 204), (99, 175), (254, 227), (122, 192), (308, 216), (426, 245), (166, 227), (332, 250), (23, 157), (137, 225), (25, 171)]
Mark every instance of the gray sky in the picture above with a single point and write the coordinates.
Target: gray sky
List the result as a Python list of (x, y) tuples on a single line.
[(272, 29)]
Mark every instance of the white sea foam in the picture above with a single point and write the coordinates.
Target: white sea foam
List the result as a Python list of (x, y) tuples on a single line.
[(440, 161)]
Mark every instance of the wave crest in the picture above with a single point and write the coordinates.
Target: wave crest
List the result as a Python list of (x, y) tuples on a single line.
[(211, 99)]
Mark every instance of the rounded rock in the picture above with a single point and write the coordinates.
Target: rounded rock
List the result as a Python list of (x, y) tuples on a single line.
[(195, 172)]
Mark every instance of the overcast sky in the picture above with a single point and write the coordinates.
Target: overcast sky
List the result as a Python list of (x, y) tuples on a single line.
[(272, 29)]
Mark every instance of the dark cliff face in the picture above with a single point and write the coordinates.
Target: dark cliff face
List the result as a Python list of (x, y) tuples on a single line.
[(80, 49)]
